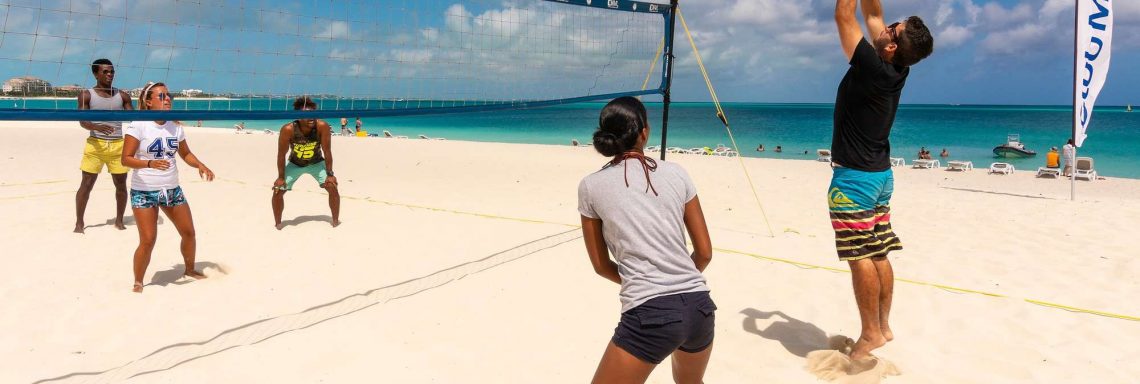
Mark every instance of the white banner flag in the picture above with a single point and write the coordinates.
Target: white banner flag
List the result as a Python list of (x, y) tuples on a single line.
[(1094, 50)]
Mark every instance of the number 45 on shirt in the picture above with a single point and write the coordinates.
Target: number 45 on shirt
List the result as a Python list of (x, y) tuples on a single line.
[(157, 150)]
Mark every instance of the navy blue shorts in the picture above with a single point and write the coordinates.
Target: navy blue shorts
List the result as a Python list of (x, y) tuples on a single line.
[(656, 328)]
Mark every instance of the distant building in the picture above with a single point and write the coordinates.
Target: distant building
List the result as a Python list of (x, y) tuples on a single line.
[(27, 84), (70, 88), (191, 92)]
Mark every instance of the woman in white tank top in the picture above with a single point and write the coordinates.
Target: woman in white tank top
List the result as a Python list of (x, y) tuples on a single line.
[(152, 149)]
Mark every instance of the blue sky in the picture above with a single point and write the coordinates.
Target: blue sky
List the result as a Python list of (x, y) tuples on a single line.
[(986, 52)]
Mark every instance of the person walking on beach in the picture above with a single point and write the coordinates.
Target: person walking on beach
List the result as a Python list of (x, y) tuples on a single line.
[(359, 125), (309, 146), (152, 149), (1068, 152), (344, 126), (104, 143), (638, 209), (862, 181)]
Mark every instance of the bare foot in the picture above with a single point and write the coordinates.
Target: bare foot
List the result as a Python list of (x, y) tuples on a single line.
[(79, 227), (279, 226), (138, 287), (195, 274), (119, 225), (886, 329), (335, 223), (862, 348)]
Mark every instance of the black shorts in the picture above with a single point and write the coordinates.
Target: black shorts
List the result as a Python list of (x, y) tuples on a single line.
[(656, 328)]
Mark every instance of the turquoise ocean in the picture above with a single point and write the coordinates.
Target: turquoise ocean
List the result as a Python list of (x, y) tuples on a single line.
[(968, 132)]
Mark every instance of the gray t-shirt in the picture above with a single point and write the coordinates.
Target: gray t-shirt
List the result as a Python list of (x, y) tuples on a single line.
[(644, 233)]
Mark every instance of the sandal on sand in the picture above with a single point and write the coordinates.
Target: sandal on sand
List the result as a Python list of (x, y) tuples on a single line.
[(138, 288)]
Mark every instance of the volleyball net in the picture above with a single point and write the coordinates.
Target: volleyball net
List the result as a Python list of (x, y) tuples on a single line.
[(249, 59)]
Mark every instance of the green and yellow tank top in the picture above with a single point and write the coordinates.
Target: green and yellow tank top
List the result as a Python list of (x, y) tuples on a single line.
[(306, 148)]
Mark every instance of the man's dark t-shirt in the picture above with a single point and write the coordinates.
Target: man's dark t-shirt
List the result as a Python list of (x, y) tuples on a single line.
[(865, 110)]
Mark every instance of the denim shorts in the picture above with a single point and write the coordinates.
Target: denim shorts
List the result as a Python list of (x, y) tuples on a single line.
[(161, 198), (656, 328)]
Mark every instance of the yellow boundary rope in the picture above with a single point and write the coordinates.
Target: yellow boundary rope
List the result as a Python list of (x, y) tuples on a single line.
[(34, 183), (940, 286), (725, 250), (653, 64), (724, 119)]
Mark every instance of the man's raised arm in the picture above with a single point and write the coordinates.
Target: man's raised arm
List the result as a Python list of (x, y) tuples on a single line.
[(873, 16), (849, 31)]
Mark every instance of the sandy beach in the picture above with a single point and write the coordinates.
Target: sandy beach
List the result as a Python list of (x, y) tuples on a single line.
[(461, 262)]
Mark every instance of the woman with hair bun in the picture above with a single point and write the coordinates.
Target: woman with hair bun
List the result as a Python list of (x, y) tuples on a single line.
[(152, 149), (638, 209)]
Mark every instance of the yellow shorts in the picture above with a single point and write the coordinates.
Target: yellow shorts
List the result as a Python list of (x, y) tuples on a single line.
[(98, 152)]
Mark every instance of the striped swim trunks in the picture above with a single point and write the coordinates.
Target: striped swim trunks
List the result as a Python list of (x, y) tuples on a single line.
[(860, 207)]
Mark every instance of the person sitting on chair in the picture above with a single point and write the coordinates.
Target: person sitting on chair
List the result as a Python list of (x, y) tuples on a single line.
[(1053, 158)]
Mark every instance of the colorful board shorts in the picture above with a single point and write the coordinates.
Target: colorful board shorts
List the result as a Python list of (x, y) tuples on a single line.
[(162, 198), (294, 172), (859, 203), (98, 152)]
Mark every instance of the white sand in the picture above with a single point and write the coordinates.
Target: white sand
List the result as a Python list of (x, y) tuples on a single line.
[(415, 207)]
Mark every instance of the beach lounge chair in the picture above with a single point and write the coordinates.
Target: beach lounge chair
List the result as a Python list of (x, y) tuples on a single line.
[(675, 150), (653, 148), (898, 162), (823, 155), (1001, 168), (1049, 172), (1084, 169), (722, 150), (388, 135), (958, 165), (927, 164)]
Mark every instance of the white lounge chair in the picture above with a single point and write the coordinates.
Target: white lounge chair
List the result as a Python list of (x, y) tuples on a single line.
[(926, 163), (958, 165), (653, 148), (823, 155), (1049, 172), (675, 150), (722, 150), (898, 162), (390, 136), (1001, 168), (1084, 169)]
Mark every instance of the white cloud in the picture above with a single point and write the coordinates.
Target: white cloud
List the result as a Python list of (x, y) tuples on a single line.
[(1020, 41), (359, 70), (953, 36), (162, 56), (945, 10), (334, 30)]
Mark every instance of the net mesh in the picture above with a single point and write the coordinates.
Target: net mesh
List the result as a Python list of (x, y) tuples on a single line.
[(401, 57)]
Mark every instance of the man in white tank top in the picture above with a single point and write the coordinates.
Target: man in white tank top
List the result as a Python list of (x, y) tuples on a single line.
[(104, 143)]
